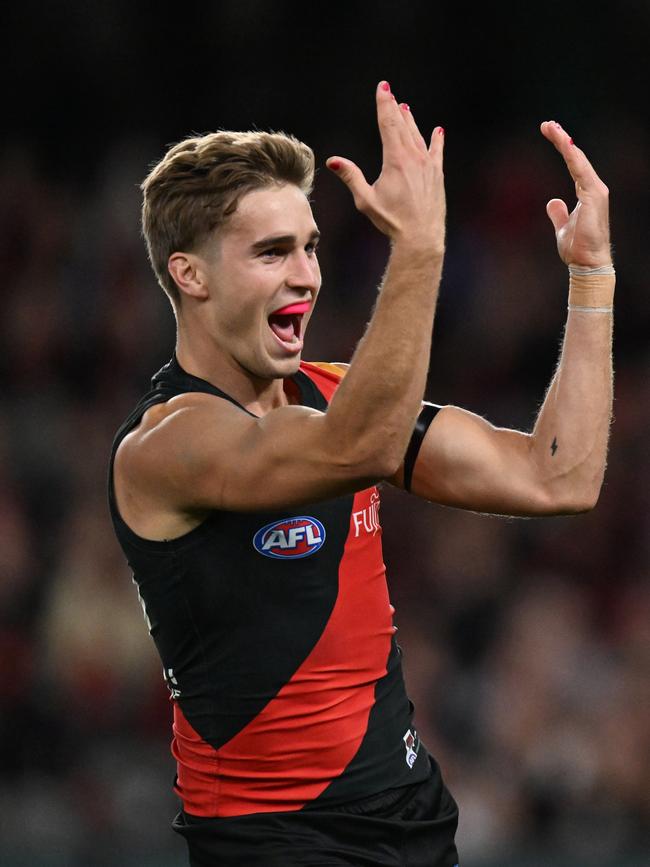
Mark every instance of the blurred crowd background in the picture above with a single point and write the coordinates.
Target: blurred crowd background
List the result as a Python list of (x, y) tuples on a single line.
[(526, 643)]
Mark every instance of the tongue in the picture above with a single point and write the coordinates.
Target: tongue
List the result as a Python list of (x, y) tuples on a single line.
[(283, 326)]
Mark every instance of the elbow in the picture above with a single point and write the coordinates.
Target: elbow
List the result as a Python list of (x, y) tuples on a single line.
[(586, 495), (570, 491), (576, 507), (587, 502), (574, 501), (388, 465), (382, 458), (367, 459), (376, 466)]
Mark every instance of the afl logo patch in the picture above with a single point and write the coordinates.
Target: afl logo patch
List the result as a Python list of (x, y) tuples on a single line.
[(290, 538)]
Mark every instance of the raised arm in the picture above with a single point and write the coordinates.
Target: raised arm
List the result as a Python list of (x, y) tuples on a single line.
[(558, 468), (198, 452)]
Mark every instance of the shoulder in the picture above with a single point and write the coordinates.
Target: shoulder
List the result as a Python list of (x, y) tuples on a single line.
[(164, 426), (175, 411)]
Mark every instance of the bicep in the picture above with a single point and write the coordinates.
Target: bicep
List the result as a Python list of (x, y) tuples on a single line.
[(218, 457), (466, 462)]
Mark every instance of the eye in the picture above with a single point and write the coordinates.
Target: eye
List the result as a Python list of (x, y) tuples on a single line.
[(311, 248), (272, 252)]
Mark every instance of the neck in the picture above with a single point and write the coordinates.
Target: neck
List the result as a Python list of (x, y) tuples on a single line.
[(203, 358)]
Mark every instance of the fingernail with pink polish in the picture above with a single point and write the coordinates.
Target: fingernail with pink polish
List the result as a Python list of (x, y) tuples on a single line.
[(385, 86), (405, 106)]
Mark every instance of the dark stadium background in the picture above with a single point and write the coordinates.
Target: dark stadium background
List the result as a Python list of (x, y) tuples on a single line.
[(527, 643)]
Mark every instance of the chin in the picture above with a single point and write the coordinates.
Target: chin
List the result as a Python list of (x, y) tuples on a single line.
[(273, 368), (286, 367)]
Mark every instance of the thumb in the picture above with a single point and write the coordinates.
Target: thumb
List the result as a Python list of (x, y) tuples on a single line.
[(352, 177), (558, 213)]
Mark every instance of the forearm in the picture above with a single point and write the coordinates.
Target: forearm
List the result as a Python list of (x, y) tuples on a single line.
[(372, 414), (569, 441), (464, 461)]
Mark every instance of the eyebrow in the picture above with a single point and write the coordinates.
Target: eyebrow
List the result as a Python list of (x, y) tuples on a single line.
[(279, 240)]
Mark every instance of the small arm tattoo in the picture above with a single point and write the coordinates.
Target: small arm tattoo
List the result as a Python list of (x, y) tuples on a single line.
[(554, 447)]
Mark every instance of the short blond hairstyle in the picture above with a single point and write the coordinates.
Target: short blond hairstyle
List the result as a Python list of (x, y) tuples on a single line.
[(197, 184)]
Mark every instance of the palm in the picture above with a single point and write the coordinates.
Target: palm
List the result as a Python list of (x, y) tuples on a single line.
[(580, 239)]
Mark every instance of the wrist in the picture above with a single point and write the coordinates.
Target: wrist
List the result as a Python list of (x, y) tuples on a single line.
[(592, 288), (604, 269), (416, 252)]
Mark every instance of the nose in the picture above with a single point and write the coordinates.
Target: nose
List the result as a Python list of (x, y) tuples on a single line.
[(304, 271)]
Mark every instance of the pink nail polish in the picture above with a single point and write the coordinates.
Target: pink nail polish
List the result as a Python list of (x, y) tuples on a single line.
[(441, 130), (335, 165), (385, 86), (405, 106), (571, 142)]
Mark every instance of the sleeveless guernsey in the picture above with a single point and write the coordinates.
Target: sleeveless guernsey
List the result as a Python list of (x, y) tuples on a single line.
[(277, 643)]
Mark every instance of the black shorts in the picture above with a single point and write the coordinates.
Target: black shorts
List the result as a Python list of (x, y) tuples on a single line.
[(413, 826)]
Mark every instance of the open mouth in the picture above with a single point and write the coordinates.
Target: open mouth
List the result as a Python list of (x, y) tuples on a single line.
[(286, 325)]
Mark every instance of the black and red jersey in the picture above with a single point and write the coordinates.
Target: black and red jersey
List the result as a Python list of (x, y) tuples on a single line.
[(276, 636)]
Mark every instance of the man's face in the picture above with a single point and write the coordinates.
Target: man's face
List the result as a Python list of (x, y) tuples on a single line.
[(264, 260)]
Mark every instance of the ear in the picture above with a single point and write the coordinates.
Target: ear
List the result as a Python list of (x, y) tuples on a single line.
[(188, 272)]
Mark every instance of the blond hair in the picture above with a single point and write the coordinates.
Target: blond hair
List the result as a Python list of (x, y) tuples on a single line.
[(197, 185)]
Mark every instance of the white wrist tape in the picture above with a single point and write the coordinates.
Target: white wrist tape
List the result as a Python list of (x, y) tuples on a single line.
[(591, 289), (579, 309), (583, 269)]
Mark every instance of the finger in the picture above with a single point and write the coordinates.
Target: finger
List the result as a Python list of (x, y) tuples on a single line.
[(352, 177), (412, 127), (436, 146), (581, 170), (392, 128), (558, 213)]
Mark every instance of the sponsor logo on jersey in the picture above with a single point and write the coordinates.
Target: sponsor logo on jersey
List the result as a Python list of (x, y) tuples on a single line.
[(367, 519), (290, 538), (412, 744)]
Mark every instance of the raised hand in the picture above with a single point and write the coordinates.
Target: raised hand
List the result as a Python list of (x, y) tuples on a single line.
[(583, 235), (407, 201)]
